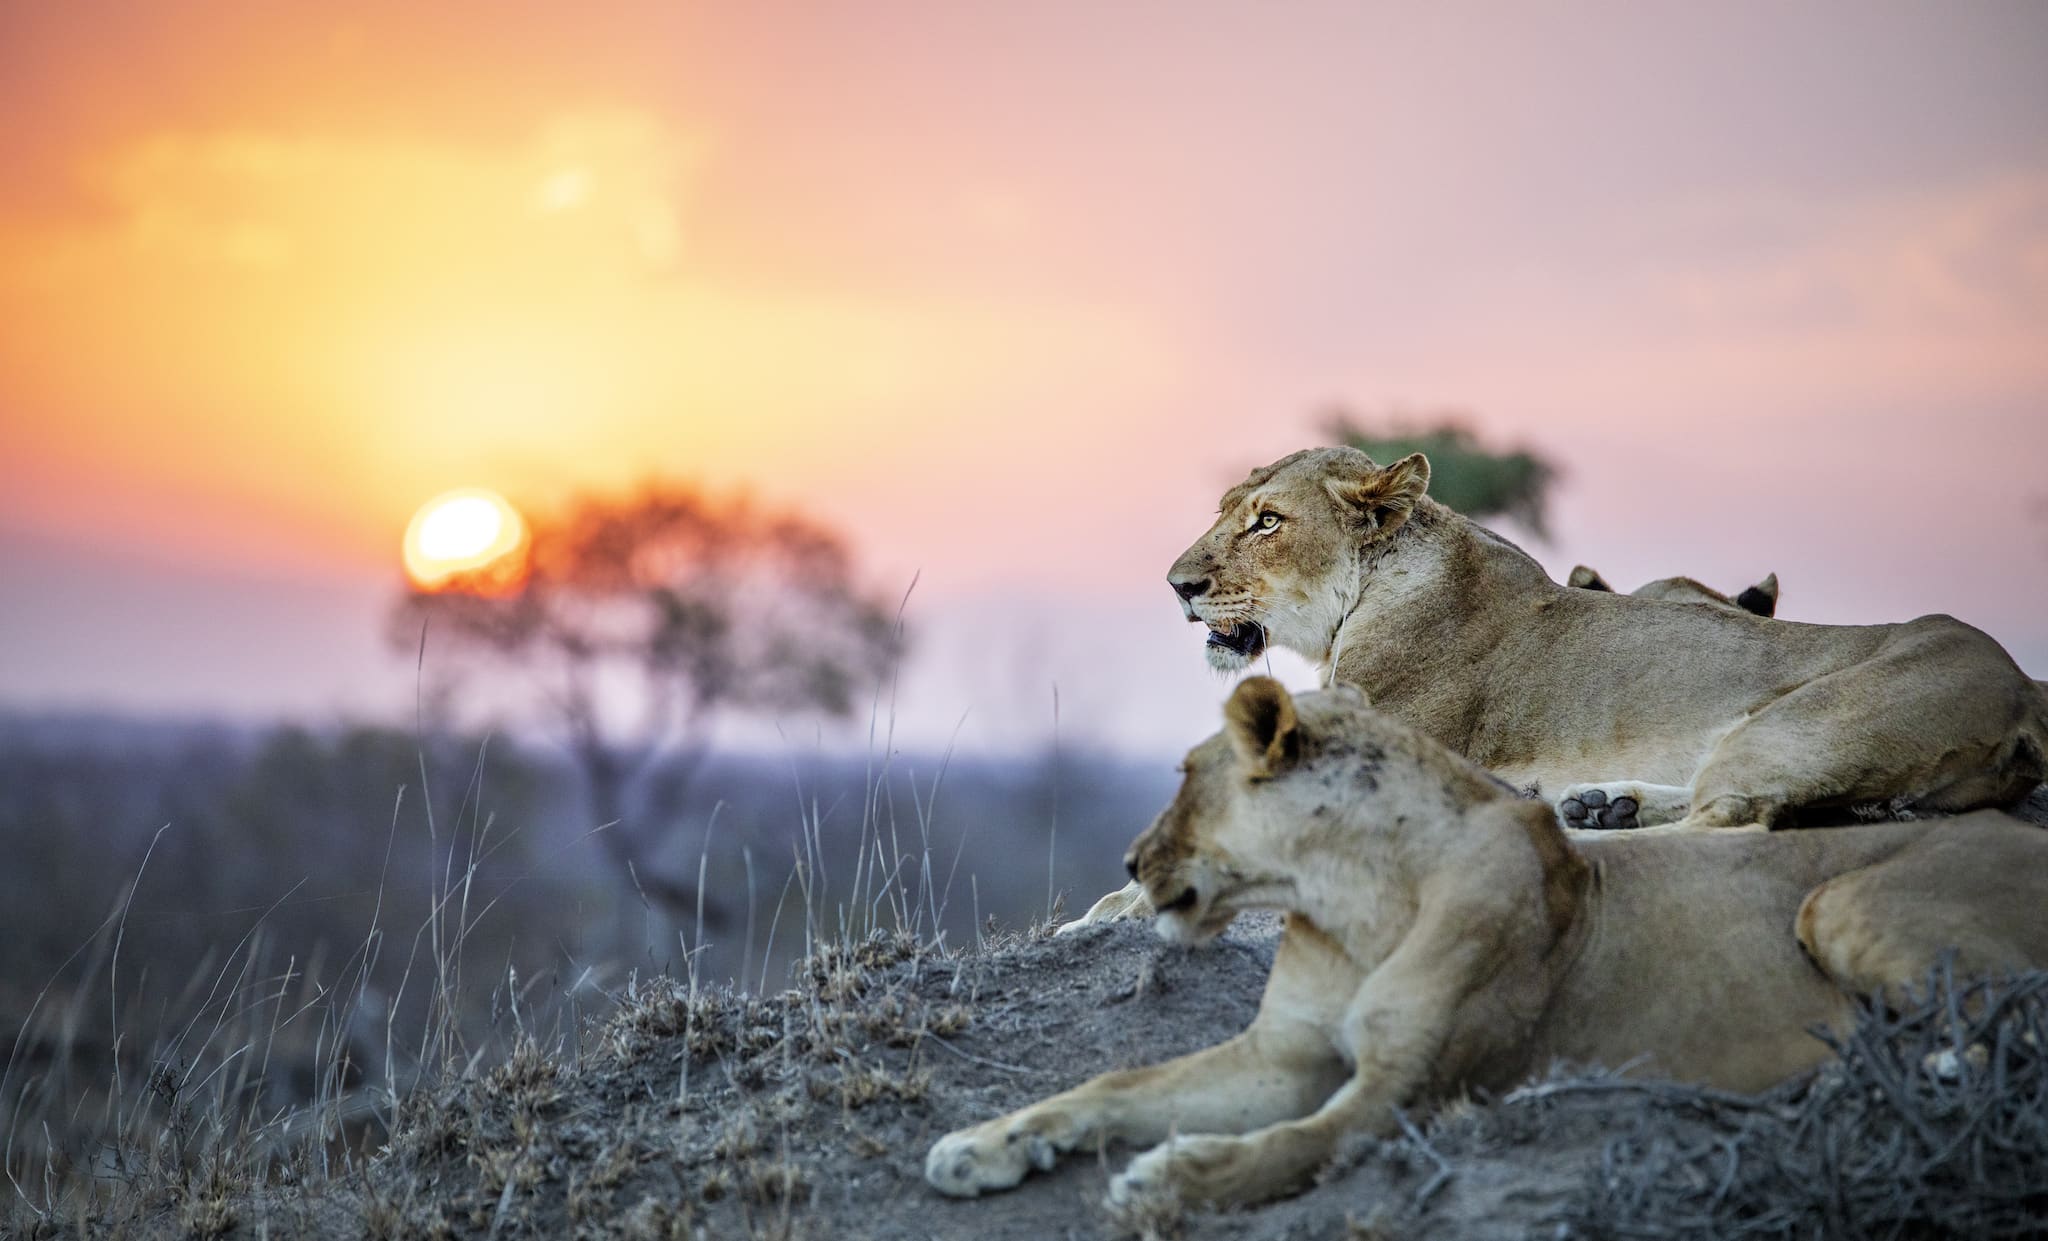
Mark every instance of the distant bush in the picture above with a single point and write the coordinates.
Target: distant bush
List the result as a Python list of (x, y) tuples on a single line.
[(1463, 473)]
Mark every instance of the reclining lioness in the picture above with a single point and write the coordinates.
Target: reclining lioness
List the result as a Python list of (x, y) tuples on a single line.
[(1700, 715), (1760, 599), (1443, 935)]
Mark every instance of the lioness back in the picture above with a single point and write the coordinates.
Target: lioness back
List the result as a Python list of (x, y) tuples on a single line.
[(1676, 680)]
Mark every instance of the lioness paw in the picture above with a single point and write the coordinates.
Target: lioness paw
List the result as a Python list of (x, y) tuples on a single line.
[(1190, 1169), (1622, 805), (990, 1156), (1128, 901), (1148, 1175), (1590, 808)]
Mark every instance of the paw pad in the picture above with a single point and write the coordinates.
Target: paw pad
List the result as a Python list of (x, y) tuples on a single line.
[(1593, 810)]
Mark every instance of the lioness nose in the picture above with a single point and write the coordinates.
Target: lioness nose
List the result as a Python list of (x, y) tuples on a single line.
[(1131, 865), (1189, 588)]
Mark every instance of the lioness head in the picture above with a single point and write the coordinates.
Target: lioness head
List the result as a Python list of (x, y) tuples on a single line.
[(1286, 558), (1268, 805), (1322, 806), (1210, 854)]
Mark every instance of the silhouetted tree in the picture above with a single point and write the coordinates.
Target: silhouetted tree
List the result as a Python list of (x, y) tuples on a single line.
[(1463, 473), (643, 617)]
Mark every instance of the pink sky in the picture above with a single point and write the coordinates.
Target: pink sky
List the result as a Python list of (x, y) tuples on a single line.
[(1010, 293)]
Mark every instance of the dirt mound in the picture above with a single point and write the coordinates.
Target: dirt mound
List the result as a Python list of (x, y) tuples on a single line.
[(808, 1114)]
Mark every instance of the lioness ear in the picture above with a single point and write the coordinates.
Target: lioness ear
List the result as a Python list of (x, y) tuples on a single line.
[(1761, 598), (1384, 498), (1262, 725), (1586, 579)]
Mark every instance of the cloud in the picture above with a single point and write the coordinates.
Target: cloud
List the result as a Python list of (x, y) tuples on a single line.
[(392, 316)]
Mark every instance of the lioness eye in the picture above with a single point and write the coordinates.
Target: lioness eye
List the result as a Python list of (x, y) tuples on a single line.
[(1268, 520)]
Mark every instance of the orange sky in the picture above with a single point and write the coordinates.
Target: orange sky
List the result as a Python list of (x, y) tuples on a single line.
[(1008, 292)]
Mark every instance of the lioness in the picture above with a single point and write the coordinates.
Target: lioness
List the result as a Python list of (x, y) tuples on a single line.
[(1699, 715), (1760, 599), (1443, 935)]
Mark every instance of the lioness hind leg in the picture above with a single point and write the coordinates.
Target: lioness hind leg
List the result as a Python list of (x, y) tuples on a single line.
[(1619, 805), (1881, 733), (1976, 887)]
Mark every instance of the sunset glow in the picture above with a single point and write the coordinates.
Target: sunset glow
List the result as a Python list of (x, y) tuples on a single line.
[(270, 275), (472, 535)]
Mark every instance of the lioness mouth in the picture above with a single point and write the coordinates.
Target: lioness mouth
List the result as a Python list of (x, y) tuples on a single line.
[(1185, 901), (1246, 640)]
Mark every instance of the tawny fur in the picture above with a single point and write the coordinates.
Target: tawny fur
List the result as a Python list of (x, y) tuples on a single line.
[(1458, 632), (1443, 935)]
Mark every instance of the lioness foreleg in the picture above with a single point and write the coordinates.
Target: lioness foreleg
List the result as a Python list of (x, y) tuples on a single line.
[(1224, 1170), (1398, 1023), (1270, 1072)]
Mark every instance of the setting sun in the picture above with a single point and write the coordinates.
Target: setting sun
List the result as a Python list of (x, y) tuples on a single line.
[(472, 534)]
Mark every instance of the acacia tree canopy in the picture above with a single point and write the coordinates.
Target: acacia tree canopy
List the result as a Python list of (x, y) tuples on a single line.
[(641, 617)]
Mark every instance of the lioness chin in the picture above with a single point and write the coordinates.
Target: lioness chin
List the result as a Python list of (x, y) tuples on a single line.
[(1443, 935), (1701, 715)]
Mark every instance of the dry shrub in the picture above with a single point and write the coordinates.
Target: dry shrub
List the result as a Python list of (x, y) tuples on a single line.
[(1933, 1123)]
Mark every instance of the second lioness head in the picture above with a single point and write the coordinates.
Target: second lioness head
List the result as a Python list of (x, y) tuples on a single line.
[(1218, 848), (1287, 804)]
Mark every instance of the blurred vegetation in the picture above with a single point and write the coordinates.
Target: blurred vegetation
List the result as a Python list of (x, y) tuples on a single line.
[(210, 922), (641, 619), (327, 917), (300, 836), (1465, 474)]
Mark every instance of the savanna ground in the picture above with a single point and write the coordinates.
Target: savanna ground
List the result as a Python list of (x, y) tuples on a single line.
[(441, 1074)]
